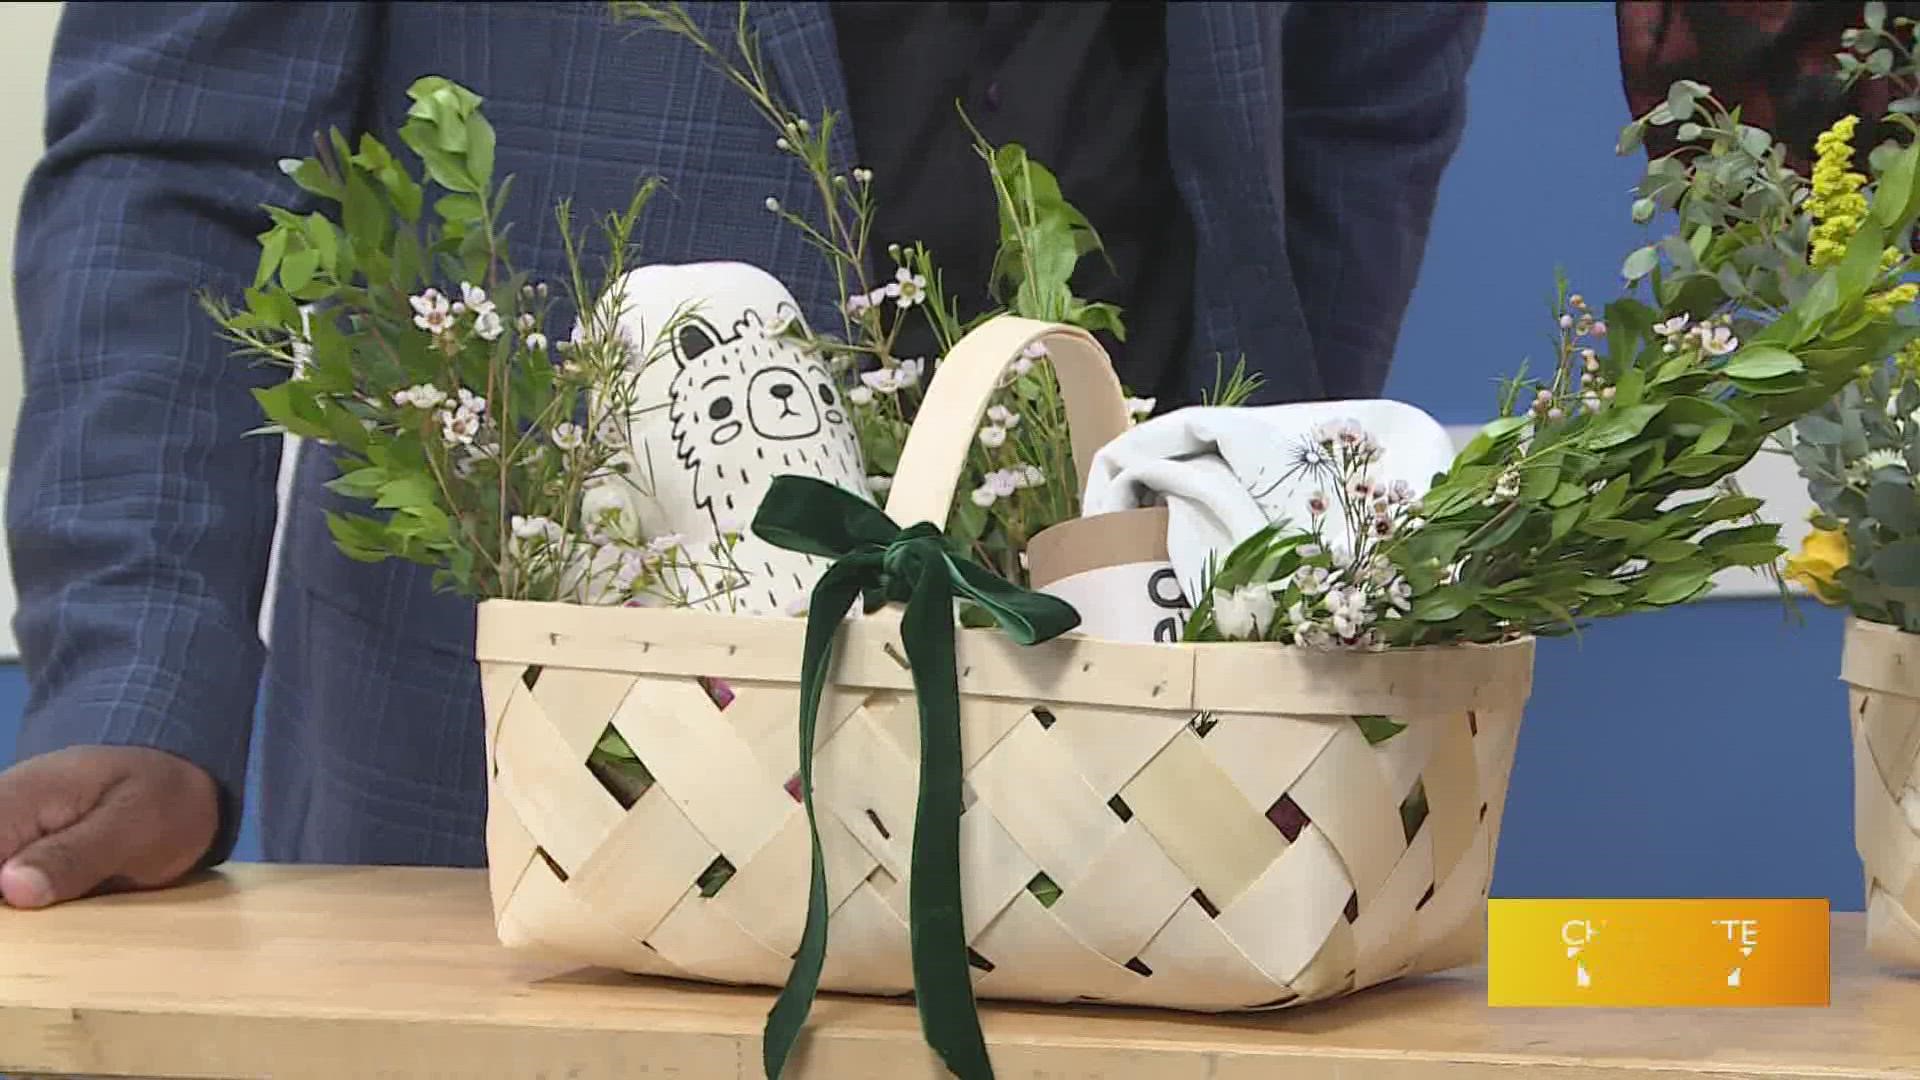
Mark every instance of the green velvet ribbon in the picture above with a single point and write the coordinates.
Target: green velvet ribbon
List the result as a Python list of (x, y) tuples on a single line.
[(877, 561)]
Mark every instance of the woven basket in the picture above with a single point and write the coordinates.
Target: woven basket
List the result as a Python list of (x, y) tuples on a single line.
[(1881, 666), (1198, 827)]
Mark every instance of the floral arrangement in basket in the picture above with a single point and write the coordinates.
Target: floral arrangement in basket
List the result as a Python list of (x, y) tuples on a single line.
[(1860, 451), (481, 436), (1859, 454), (1757, 310)]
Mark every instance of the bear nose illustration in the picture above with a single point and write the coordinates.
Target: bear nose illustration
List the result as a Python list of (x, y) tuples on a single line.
[(781, 391)]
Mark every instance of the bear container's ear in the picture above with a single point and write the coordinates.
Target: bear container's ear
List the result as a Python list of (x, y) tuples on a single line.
[(790, 314), (693, 338)]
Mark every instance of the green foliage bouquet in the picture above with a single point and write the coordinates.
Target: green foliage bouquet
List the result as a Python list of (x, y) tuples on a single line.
[(473, 433), (1860, 452), (1607, 485)]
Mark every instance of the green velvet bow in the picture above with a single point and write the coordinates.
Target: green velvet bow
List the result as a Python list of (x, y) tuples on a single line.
[(880, 562)]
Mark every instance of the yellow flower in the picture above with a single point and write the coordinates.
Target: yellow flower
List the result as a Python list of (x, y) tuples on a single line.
[(1835, 203), (1888, 301), (1822, 555)]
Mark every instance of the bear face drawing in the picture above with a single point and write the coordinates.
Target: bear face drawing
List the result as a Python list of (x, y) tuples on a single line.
[(720, 405), (749, 406)]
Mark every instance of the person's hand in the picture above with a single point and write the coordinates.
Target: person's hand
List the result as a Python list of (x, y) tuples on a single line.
[(93, 818)]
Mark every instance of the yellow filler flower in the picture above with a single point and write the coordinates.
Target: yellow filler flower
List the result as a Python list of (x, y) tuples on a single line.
[(1817, 567), (1835, 203)]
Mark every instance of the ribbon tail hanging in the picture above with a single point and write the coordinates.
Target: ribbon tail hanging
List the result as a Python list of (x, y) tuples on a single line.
[(836, 592), (942, 978)]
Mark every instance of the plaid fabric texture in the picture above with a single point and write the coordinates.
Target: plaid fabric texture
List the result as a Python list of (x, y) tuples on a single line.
[(1773, 59), (1309, 140)]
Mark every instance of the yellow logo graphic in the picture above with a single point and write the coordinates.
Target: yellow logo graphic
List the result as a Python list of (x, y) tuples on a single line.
[(1734, 953)]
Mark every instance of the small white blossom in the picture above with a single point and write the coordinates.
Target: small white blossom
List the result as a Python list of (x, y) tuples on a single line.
[(882, 381), (863, 176), (488, 325), (1005, 482), (475, 299), (773, 205), (781, 143), (1719, 341), (1140, 408), (1380, 571), (993, 437), (431, 312), (860, 395), (907, 288), (1312, 580), (459, 426), (983, 496), (667, 544), (1875, 460), (422, 396), (470, 401), (537, 342), (1566, 322), (1673, 327), (602, 507), (1400, 595), (858, 303), (1032, 476), (632, 565), (1506, 485), (525, 322), (1244, 613), (568, 436), (538, 528), (911, 371), (1600, 329), (1003, 416)]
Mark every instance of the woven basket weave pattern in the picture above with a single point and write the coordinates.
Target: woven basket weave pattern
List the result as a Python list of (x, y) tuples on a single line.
[(1882, 668), (1200, 827), (1189, 857)]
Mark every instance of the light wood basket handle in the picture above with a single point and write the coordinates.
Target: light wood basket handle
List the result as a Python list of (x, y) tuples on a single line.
[(935, 455)]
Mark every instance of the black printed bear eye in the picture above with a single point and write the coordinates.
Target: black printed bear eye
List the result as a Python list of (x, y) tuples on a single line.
[(720, 409), (826, 394)]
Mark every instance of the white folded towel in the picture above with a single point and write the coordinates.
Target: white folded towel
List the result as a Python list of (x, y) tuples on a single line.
[(1226, 473)]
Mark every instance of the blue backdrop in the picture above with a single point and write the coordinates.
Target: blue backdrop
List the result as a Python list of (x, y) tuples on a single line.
[(1701, 752)]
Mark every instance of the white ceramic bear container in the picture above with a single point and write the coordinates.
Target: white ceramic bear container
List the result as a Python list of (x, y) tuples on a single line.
[(722, 408)]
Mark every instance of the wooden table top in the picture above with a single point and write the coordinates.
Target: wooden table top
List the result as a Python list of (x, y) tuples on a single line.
[(337, 973)]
